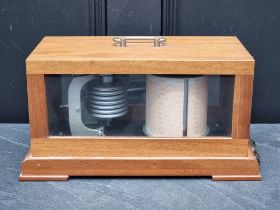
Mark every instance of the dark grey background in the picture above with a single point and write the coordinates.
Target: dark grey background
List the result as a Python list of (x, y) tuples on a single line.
[(24, 23)]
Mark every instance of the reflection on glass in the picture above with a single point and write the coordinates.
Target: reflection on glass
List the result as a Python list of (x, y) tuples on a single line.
[(139, 105)]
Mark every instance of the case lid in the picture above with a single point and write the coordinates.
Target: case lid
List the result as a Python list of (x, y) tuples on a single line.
[(178, 55)]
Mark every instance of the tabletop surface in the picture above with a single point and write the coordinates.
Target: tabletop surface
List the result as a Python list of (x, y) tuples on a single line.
[(138, 192)]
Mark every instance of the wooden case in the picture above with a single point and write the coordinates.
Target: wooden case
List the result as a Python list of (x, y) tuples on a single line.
[(57, 158)]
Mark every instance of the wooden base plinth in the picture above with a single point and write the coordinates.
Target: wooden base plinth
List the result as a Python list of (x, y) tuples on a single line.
[(61, 168)]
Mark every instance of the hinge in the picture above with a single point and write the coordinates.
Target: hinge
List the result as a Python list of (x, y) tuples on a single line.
[(254, 149)]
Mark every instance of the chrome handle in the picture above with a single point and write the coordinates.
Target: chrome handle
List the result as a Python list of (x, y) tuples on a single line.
[(122, 40)]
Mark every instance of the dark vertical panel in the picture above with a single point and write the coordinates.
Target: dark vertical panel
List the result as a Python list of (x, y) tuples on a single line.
[(22, 25), (98, 17), (256, 23), (133, 17), (169, 26)]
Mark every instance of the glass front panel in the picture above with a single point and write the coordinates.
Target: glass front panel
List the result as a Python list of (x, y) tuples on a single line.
[(139, 105)]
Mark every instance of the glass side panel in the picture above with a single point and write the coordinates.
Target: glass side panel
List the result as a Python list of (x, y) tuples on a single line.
[(139, 105)]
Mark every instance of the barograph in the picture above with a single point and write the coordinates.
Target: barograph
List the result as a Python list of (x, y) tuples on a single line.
[(140, 106)]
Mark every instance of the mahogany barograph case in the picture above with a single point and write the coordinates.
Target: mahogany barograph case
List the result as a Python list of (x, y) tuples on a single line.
[(140, 106)]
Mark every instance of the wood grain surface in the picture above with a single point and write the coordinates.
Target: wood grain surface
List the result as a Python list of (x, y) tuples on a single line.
[(55, 168), (138, 147), (180, 55), (242, 103), (37, 105)]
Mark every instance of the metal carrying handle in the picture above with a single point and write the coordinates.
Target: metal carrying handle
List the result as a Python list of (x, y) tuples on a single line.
[(122, 40)]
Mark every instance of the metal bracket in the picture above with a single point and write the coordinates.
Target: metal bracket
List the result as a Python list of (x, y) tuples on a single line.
[(77, 127)]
